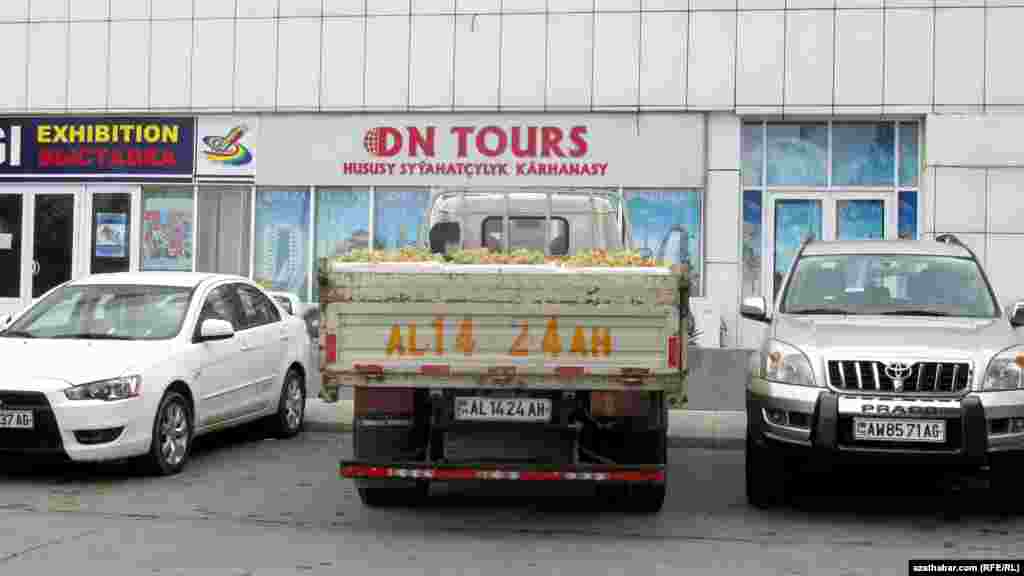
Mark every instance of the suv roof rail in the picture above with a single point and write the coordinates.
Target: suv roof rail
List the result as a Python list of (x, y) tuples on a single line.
[(949, 238)]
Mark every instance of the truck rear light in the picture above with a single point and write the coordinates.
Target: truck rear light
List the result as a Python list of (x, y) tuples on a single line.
[(674, 351), (388, 401), (569, 371), (633, 376), (435, 370), (616, 403), (331, 343), (360, 471)]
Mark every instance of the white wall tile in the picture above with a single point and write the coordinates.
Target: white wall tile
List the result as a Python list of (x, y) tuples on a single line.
[(1004, 268), (212, 73), (663, 62), (13, 10), (959, 56), (859, 57), (761, 4), (476, 59), (712, 4), (87, 83), (48, 9), (343, 7), (13, 41), (616, 59), (172, 9), (433, 39), (387, 61), (1005, 201), (172, 57), (127, 9), (433, 6), (711, 59), (342, 83), (47, 73), (760, 79), (257, 8), (570, 63), (522, 60), (298, 75), (387, 7), (561, 6), (908, 57), (959, 200), (216, 8), (83, 9), (129, 64), (478, 6), (292, 8), (721, 285), (809, 61), (534, 6), (841, 4), (909, 3), (1005, 44), (255, 63), (801, 4), (724, 145), (617, 5), (668, 5), (722, 216)]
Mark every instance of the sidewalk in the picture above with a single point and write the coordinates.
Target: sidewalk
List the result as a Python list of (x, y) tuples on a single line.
[(687, 428)]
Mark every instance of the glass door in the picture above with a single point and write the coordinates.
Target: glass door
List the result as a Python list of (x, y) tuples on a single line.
[(53, 239), (12, 258)]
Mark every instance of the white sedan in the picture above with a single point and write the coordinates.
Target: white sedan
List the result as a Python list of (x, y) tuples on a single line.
[(125, 365)]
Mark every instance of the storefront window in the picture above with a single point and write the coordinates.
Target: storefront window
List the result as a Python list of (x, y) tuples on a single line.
[(753, 154), (751, 243), (167, 229), (342, 224), (660, 219), (281, 240), (797, 154), (10, 245), (111, 238), (863, 154), (910, 163), (399, 214), (908, 215), (225, 229)]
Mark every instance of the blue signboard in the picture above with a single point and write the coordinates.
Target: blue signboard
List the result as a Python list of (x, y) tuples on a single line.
[(63, 147)]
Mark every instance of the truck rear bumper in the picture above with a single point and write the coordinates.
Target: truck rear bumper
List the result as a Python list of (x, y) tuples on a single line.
[(601, 473)]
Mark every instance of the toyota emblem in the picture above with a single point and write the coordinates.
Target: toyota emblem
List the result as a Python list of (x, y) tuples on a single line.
[(897, 370)]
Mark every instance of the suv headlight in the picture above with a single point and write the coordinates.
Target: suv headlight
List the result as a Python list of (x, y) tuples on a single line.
[(1005, 370), (113, 389), (783, 363)]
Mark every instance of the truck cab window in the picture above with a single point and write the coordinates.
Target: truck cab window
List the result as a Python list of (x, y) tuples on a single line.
[(527, 233)]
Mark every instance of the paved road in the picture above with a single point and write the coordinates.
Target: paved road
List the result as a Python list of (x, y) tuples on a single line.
[(247, 505)]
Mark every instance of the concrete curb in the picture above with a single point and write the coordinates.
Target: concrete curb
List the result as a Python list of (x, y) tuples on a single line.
[(708, 429)]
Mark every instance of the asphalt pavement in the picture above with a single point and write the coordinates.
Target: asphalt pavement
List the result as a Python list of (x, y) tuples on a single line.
[(247, 504)]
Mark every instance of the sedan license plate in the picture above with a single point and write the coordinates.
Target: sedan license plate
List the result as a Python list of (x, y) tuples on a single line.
[(899, 430), (502, 409), (16, 419)]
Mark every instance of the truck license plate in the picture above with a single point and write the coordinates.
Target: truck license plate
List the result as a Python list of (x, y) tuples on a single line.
[(899, 430), (504, 409), (16, 419)]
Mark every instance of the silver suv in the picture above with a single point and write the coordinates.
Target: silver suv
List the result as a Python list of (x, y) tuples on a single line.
[(883, 348)]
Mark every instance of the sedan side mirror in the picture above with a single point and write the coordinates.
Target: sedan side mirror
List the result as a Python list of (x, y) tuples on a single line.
[(216, 329), (755, 308), (5, 321), (1017, 318)]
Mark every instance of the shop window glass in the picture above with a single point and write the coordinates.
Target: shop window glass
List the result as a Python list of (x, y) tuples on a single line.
[(863, 154), (909, 161), (342, 225), (753, 154), (225, 229), (659, 219), (167, 229), (908, 216), (751, 243), (399, 216), (281, 240), (797, 154), (10, 245), (111, 238)]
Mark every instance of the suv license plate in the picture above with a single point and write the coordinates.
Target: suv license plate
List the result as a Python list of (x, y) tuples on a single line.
[(899, 430)]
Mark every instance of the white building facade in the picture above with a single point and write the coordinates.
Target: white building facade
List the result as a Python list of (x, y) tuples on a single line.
[(750, 123)]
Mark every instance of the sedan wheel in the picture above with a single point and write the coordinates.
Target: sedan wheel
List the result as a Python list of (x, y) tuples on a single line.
[(172, 435), (291, 407)]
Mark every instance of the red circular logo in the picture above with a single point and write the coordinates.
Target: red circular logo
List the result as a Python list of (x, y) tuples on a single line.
[(373, 141)]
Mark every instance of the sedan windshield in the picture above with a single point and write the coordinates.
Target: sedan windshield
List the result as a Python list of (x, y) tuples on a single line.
[(891, 285), (105, 312)]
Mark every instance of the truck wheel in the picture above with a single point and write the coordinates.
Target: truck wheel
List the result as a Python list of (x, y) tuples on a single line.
[(765, 476), (388, 497), (646, 499)]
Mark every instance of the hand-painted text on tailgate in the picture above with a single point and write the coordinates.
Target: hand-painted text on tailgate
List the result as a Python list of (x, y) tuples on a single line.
[(402, 340)]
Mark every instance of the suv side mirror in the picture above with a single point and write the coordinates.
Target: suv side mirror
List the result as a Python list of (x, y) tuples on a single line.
[(1017, 317), (215, 329), (755, 308)]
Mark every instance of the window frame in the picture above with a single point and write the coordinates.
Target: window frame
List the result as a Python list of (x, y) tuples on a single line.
[(270, 309), (232, 300), (562, 219)]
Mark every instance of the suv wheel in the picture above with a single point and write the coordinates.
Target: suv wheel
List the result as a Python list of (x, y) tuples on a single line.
[(767, 475)]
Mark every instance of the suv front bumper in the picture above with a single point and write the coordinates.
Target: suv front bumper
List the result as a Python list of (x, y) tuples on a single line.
[(823, 419)]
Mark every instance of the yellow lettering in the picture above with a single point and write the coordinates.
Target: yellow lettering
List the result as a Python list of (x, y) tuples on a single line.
[(600, 338), (412, 341), (579, 342), (43, 134), (552, 341), (520, 346), (439, 336), (170, 134), (77, 134), (464, 339), (102, 134), (152, 134), (395, 341)]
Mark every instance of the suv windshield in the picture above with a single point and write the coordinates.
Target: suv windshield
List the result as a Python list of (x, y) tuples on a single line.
[(107, 312), (890, 285)]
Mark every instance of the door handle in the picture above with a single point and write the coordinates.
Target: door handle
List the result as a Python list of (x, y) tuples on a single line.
[(35, 268)]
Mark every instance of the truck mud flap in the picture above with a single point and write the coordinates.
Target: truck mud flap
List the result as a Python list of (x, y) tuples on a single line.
[(356, 469)]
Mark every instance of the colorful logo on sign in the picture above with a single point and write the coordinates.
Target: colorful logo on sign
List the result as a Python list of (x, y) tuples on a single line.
[(228, 149), (374, 141)]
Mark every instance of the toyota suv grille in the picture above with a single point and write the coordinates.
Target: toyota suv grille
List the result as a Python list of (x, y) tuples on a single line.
[(918, 377)]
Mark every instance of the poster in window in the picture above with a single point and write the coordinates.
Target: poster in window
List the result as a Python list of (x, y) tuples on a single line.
[(167, 239), (282, 241), (111, 235)]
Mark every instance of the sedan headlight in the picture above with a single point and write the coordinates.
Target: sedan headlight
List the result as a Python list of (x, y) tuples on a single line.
[(783, 363), (1005, 370), (113, 389)]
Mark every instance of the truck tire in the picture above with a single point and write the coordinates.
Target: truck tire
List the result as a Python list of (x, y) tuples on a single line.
[(766, 475), (647, 498), (390, 497)]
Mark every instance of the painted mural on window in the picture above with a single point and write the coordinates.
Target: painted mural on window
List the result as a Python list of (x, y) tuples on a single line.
[(399, 216), (751, 243), (908, 215), (797, 154), (167, 230), (753, 154), (280, 261), (342, 224), (660, 219), (863, 154), (795, 220), (860, 219), (910, 162)]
